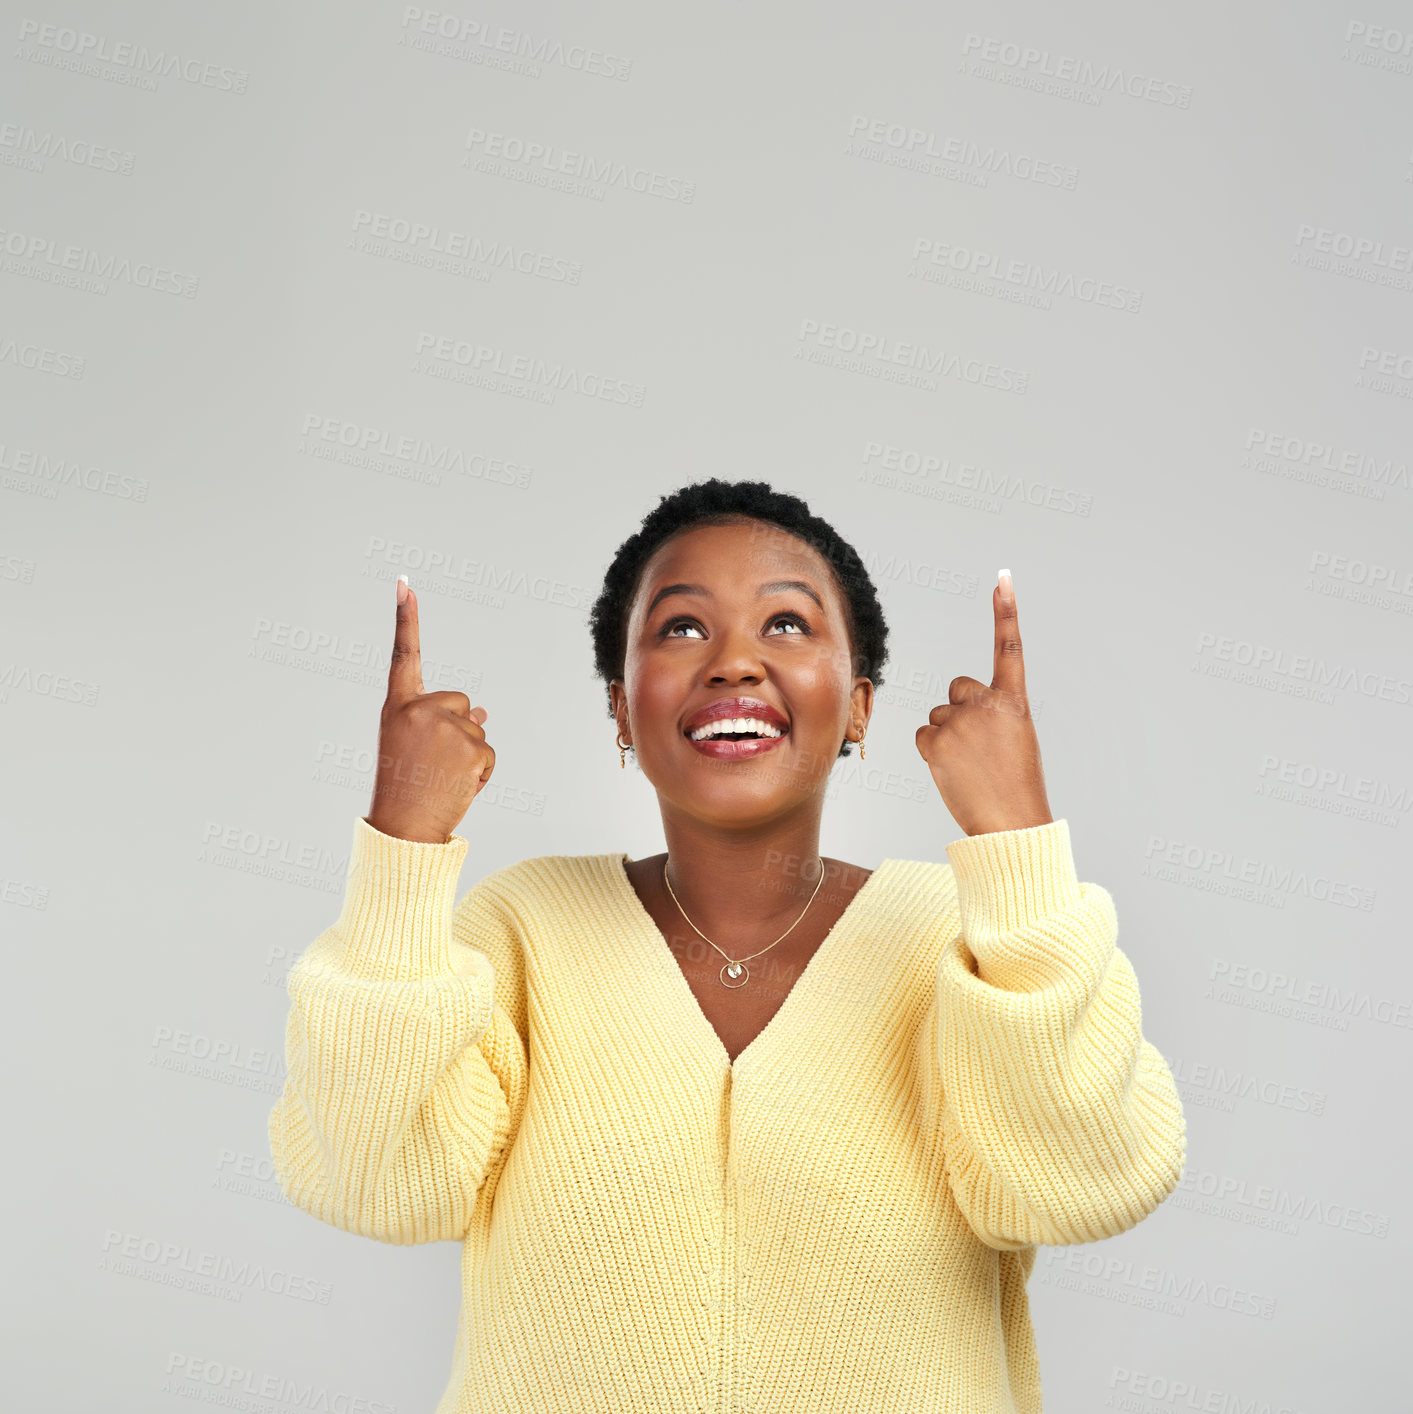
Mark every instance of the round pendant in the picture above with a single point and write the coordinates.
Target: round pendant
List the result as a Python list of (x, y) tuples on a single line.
[(733, 970)]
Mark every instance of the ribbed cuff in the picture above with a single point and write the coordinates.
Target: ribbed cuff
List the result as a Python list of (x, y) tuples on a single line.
[(1007, 879), (398, 904)]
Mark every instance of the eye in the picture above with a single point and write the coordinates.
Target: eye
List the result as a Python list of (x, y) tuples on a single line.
[(666, 630), (789, 616)]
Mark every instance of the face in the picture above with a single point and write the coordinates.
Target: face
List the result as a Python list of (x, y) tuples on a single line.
[(739, 610)]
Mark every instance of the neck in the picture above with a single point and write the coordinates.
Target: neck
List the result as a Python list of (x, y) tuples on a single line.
[(748, 886)]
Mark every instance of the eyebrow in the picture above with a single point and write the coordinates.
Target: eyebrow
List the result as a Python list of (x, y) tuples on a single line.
[(775, 586)]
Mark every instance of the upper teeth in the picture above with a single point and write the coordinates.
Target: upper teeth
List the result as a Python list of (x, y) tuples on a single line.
[(723, 725)]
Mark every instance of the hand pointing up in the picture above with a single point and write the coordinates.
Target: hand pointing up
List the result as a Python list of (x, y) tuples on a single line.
[(433, 757), (981, 746)]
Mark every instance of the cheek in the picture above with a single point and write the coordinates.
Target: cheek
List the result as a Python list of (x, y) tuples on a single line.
[(820, 694), (658, 700)]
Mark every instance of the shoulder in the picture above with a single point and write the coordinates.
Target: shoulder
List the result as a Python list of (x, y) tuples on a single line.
[(913, 886), (531, 884)]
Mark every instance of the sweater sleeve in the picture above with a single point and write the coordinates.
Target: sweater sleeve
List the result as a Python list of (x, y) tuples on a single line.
[(406, 1074), (1059, 1122)]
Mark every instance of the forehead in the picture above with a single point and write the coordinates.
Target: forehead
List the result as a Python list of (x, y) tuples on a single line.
[(734, 561), (734, 551)]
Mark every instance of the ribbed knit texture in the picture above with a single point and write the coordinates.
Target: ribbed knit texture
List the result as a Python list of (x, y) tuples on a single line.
[(843, 1220)]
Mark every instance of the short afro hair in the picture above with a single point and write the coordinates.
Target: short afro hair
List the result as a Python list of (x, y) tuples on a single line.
[(718, 502)]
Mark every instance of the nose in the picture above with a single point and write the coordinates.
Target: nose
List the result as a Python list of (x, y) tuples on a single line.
[(737, 659)]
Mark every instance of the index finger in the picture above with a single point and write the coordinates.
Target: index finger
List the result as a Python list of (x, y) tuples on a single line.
[(1008, 666), (405, 666)]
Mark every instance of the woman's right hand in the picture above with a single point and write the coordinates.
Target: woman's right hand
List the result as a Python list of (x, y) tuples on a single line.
[(433, 757)]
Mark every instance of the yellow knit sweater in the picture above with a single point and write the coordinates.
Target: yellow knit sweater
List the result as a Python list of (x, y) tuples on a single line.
[(843, 1220)]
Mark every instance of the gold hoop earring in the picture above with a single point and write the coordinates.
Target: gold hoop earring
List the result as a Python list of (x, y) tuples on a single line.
[(863, 755), (622, 748)]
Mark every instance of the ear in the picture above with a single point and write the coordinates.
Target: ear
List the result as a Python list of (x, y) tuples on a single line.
[(618, 700), (861, 699)]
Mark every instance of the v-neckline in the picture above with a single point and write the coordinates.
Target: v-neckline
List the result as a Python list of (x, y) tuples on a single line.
[(819, 959)]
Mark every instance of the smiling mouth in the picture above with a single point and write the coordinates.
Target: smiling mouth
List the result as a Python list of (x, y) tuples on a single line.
[(736, 736), (736, 745)]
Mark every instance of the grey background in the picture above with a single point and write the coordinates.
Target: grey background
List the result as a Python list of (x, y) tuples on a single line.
[(1204, 500)]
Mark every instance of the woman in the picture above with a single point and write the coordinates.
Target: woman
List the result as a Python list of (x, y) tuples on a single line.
[(732, 1127)]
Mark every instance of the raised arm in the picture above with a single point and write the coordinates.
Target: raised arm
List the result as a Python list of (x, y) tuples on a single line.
[(406, 1061), (1059, 1123), (406, 1072)]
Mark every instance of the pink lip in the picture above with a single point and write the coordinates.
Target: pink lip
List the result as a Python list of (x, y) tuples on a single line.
[(736, 707)]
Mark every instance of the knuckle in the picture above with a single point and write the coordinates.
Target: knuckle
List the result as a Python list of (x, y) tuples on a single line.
[(451, 701)]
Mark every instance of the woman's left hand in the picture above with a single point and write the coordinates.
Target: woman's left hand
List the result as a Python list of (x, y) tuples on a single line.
[(980, 745)]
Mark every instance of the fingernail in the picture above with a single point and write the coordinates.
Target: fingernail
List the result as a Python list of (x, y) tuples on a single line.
[(402, 588), (1003, 578)]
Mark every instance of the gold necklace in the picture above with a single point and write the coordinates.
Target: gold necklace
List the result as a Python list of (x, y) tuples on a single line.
[(736, 967)]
